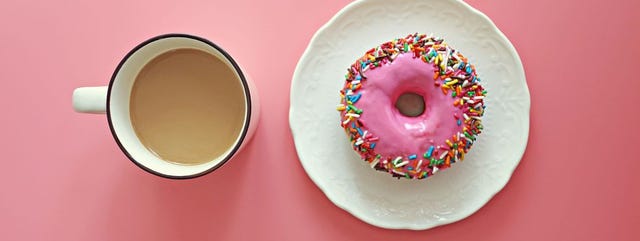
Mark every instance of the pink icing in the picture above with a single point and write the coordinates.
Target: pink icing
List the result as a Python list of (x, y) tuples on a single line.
[(401, 135)]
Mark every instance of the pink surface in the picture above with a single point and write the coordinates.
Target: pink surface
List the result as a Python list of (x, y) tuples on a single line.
[(380, 116), (64, 178)]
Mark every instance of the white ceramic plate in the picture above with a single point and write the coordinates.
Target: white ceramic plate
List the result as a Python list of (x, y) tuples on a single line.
[(376, 197)]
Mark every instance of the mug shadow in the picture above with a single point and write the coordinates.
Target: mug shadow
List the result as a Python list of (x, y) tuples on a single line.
[(180, 209)]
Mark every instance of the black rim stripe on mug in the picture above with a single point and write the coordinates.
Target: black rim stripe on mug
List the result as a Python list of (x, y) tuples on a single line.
[(236, 68)]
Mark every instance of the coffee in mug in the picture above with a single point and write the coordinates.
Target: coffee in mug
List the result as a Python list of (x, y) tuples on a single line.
[(178, 106), (187, 106)]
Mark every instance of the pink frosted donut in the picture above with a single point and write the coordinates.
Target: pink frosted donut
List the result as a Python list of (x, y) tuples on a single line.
[(412, 106)]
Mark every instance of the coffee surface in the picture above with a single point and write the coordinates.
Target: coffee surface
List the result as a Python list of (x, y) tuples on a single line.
[(187, 106)]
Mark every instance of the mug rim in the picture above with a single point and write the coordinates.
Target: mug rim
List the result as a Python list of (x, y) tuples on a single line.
[(242, 79)]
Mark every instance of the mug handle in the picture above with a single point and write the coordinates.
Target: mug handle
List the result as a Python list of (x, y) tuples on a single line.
[(90, 99)]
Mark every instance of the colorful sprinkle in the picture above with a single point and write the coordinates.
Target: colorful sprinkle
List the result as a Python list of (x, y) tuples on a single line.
[(429, 152)]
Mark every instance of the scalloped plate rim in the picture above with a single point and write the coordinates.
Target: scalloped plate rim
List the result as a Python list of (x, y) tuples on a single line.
[(296, 75)]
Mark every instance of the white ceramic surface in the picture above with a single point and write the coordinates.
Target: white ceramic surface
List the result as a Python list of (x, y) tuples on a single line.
[(376, 197)]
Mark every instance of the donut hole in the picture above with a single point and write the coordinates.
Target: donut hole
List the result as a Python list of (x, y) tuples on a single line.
[(410, 104)]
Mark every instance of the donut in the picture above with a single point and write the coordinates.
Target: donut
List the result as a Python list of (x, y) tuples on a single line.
[(412, 106)]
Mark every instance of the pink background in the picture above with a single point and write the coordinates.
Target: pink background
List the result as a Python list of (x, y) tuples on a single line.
[(64, 178)]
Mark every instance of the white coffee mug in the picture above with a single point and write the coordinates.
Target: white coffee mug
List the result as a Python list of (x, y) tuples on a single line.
[(114, 101)]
